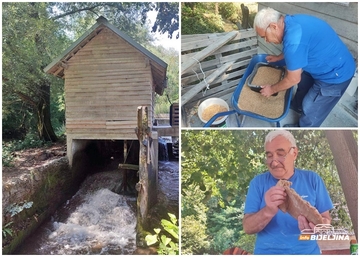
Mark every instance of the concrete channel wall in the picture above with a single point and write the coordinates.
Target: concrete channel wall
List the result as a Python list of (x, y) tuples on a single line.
[(44, 189)]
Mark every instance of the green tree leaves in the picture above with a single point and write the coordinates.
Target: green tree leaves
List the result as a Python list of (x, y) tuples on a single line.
[(166, 245)]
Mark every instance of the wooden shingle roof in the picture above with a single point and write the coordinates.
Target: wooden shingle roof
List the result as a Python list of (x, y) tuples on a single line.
[(158, 67)]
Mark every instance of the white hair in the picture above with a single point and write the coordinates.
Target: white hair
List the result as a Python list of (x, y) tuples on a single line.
[(266, 16), (284, 133)]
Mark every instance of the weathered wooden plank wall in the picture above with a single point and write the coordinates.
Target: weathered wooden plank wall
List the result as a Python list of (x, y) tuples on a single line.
[(104, 84), (343, 18)]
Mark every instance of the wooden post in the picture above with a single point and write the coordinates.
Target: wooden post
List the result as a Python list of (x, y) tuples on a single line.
[(124, 183), (146, 186), (344, 148), (142, 186)]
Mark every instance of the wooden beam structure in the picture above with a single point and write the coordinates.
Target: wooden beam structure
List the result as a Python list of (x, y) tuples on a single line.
[(146, 186), (198, 57), (345, 150), (164, 131), (128, 166), (197, 88), (218, 73)]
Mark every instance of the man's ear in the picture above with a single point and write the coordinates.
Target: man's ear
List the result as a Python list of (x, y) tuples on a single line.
[(273, 25), (296, 150)]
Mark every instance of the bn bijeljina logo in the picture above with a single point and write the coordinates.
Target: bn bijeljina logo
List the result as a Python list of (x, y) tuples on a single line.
[(324, 232)]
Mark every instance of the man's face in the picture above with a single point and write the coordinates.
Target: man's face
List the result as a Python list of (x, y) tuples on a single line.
[(280, 157), (270, 34)]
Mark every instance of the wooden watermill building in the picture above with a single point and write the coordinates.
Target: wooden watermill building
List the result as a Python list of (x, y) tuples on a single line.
[(107, 76)]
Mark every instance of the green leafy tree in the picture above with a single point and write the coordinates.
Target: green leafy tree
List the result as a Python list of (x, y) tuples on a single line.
[(202, 17), (130, 17), (27, 49), (171, 92), (196, 18), (193, 237), (230, 11), (225, 227), (167, 20)]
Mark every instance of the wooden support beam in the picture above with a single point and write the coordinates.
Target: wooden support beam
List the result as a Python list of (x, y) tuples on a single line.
[(146, 186), (58, 71), (142, 185), (64, 65), (198, 57), (128, 166), (197, 88), (345, 150), (166, 131)]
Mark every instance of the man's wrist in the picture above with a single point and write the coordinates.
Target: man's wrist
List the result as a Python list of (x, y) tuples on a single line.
[(273, 90), (269, 212)]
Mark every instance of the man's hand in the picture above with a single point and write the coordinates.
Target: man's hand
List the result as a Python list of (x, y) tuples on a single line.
[(255, 222), (303, 223), (274, 58), (267, 90), (275, 196)]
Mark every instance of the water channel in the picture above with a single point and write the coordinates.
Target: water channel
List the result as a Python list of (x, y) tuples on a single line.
[(97, 220)]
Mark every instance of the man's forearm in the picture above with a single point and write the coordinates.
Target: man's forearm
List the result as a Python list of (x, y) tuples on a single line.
[(283, 85), (281, 56), (255, 222)]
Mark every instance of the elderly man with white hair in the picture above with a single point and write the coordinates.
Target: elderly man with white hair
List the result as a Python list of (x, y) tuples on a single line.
[(316, 59), (278, 232)]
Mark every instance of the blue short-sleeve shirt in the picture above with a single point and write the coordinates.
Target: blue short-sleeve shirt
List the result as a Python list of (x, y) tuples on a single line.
[(280, 236), (311, 44)]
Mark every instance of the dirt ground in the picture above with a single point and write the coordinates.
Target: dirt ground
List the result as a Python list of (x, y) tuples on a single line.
[(26, 160)]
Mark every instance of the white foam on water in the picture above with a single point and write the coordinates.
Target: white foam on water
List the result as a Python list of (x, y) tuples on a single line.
[(103, 222)]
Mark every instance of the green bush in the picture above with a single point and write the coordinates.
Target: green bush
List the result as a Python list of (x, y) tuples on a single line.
[(7, 156), (31, 140), (226, 223), (230, 11), (198, 21), (193, 236), (61, 131), (246, 242), (166, 245)]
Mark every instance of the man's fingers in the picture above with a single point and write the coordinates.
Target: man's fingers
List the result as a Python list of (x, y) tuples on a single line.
[(276, 197), (303, 223), (312, 225)]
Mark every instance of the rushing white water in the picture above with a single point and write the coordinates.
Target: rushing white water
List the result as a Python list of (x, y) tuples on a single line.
[(103, 222), (95, 221), (98, 221)]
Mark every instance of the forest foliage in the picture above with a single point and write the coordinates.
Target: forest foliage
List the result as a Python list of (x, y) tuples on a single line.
[(211, 17), (216, 168), (34, 34)]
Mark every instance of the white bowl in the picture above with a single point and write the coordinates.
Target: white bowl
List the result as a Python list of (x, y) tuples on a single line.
[(209, 102)]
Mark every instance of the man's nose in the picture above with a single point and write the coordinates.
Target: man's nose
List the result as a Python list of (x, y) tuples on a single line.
[(274, 160)]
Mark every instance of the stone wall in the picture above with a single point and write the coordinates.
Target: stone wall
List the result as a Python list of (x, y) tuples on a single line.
[(47, 187)]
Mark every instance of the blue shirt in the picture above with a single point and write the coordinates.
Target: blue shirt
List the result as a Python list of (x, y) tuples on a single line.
[(311, 44), (280, 235)]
